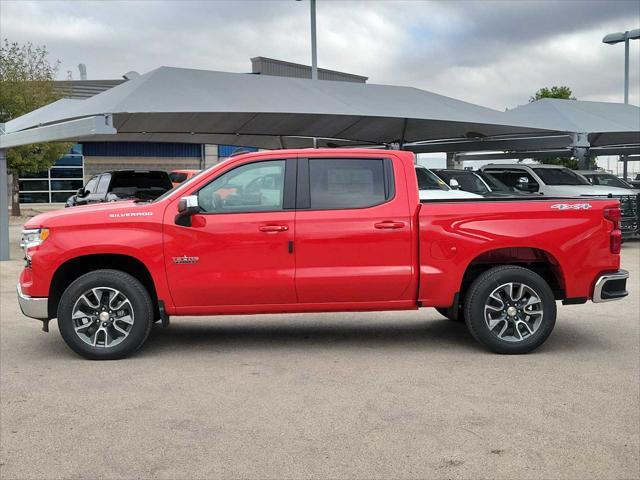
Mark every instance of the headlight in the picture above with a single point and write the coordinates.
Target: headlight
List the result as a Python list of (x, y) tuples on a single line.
[(33, 238)]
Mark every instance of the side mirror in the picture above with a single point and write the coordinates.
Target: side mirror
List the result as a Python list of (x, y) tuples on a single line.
[(81, 192), (454, 184), (187, 207)]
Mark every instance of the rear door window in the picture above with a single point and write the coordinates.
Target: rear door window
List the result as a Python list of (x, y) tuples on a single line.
[(347, 183)]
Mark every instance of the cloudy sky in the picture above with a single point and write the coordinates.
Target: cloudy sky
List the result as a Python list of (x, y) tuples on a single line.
[(494, 53)]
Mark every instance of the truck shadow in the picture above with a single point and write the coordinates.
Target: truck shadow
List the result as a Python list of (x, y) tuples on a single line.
[(436, 334), (430, 335)]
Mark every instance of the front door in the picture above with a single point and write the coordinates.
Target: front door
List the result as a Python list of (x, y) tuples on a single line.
[(237, 251)]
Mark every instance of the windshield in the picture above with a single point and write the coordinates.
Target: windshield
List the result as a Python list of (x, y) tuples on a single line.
[(560, 176), (609, 180), (468, 181), (427, 180)]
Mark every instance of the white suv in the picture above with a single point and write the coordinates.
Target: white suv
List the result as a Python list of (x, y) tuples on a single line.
[(552, 180), (555, 180)]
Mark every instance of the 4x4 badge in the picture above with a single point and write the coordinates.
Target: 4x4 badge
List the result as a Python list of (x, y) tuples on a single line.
[(571, 206), (185, 259)]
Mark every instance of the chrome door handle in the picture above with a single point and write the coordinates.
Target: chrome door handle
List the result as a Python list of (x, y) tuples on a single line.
[(273, 228), (389, 224)]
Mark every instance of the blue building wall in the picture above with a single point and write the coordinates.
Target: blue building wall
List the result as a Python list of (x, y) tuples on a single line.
[(225, 151), (142, 149)]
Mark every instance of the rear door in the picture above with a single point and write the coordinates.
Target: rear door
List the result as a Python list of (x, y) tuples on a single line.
[(353, 231)]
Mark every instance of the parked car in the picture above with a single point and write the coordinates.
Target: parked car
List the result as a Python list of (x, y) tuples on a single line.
[(473, 182), (122, 185), (605, 179), (636, 181), (556, 180), (179, 176), (497, 187), (347, 232), (464, 180), (432, 187)]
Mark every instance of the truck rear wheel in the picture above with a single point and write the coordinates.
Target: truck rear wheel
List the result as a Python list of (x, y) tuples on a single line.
[(105, 315), (510, 309)]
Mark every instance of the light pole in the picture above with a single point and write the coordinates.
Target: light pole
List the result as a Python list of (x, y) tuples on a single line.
[(314, 47), (612, 39)]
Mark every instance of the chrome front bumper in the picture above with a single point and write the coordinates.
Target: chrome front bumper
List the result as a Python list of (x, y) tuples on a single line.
[(612, 286), (33, 307)]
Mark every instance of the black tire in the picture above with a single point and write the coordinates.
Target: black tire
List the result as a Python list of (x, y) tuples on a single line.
[(478, 295), (448, 313), (141, 307)]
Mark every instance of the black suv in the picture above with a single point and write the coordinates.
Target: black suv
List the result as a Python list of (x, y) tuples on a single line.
[(122, 185)]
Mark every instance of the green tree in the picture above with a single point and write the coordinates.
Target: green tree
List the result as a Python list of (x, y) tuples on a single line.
[(562, 91), (27, 83), (565, 93)]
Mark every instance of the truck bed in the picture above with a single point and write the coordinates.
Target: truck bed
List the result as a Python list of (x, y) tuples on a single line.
[(457, 237)]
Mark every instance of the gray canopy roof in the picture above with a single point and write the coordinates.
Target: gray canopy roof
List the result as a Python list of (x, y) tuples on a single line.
[(605, 123), (609, 128), (198, 106)]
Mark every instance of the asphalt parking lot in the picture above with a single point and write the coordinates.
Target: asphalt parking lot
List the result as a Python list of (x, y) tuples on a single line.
[(370, 395)]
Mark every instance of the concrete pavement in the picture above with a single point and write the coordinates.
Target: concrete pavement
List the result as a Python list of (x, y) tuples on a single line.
[(367, 395)]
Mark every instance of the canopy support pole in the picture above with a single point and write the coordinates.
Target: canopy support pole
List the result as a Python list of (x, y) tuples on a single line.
[(581, 150), (4, 207), (453, 162)]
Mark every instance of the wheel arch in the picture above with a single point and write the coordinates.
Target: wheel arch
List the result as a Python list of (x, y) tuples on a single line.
[(75, 267), (538, 260)]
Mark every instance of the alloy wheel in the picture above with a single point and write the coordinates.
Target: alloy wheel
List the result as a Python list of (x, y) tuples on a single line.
[(102, 317), (513, 312)]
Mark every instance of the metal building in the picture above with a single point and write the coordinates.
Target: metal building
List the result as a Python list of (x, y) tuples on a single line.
[(280, 68)]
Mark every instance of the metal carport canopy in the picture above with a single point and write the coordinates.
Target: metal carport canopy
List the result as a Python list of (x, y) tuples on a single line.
[(605, 123), (198, 106)]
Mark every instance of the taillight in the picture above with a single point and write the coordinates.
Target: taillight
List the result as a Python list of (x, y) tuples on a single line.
[(614, 215), (616, 241)]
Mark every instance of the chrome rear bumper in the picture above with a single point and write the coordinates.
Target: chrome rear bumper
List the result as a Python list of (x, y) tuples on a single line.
[(612, 286), (33, 307)]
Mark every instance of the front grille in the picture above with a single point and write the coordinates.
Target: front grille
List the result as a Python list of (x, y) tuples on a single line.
[(630, 209)]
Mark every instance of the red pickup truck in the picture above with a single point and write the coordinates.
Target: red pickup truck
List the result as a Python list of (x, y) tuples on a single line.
[(317, 231)]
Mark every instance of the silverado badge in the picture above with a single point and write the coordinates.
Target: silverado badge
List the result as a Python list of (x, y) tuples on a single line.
[(184, 259)]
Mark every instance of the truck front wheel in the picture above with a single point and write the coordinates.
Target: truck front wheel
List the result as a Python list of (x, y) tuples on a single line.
[(510, 309), (105, 315)]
